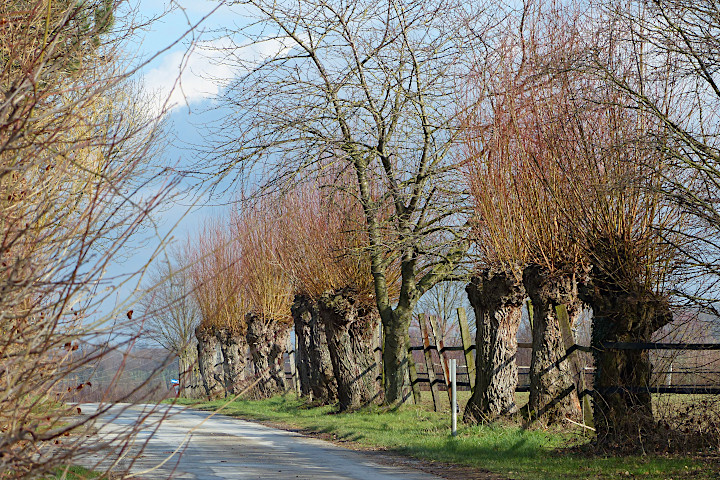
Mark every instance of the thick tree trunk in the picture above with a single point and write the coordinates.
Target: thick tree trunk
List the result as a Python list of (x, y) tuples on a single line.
[(394, 356), (622, 410), (267, 340), (497, 299), (553, 396), (302, 313), (351, 336), (234, 347), (207, 361), (189, 373), (314, 367)]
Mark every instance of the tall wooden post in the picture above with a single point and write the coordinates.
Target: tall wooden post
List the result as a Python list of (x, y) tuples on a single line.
[(467, 347), (441, 352), (429, 363), (577, 367)]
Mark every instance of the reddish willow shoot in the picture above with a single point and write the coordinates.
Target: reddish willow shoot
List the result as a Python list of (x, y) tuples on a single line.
[(218, 291), (267, 291), (324, 248)]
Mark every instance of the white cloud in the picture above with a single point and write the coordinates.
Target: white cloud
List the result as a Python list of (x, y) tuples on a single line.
[(187, 78)]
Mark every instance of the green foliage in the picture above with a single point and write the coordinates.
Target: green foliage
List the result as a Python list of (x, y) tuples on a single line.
[(503, 449)]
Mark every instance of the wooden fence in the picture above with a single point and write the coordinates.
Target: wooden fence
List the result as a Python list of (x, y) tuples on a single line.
[(429, 357)]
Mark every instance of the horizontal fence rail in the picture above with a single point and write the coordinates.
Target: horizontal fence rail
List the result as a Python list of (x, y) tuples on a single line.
[(696, 388), (433, 372)]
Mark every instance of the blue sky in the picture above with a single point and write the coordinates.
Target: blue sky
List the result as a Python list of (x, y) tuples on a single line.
[(185, 78)]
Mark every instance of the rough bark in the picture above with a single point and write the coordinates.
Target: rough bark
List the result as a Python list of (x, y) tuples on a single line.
[(351, 336), (395, 355), (267, 340), (497, 299), (553, 396), (314, 365), (233, 347), (302, 313), (189, 372), (622, 404), (210, 370)]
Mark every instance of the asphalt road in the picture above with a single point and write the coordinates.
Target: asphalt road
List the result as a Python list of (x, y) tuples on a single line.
[(221, 447)]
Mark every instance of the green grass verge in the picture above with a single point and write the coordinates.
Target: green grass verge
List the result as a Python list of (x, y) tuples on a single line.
[(507, 450), (73, 472)]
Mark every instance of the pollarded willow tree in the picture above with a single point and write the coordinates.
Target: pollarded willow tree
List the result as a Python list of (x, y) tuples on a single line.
[(627, 230), (267, 292), (324, 251), (527, 245), (218, 292), (640, 227), (370, 86)]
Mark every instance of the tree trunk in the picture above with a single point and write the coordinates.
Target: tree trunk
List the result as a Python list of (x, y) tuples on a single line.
[(553, 396), (351, 336), (497, 299), (314, 367), (394, 356), (302, 313), (267, 340), (622, 410), (207, 361), (233, 346), (190, 379)]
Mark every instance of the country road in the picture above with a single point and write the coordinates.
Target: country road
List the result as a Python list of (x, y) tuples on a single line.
[(221, 448)]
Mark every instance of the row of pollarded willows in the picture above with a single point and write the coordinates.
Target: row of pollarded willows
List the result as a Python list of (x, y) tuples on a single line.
[(243, 300), (567, 189), (586, 187), (334, 309), (296, 258)]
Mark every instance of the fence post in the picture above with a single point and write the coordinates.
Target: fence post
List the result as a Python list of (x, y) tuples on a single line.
[(453, 396), (467, 347), (379, 356), (576, 366), (441, 351), (412, 372), (429, 363), (531, 314), (293, 370)]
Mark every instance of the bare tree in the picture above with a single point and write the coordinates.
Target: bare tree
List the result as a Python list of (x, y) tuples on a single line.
[(170, 315), (442, 301), (370, 87), (73, 147)]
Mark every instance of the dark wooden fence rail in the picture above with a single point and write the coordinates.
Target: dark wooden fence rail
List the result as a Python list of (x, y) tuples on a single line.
[(434, 374)]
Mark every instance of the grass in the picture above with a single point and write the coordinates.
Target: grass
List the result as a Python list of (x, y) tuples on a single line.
[(503, 449), (73, 472)]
